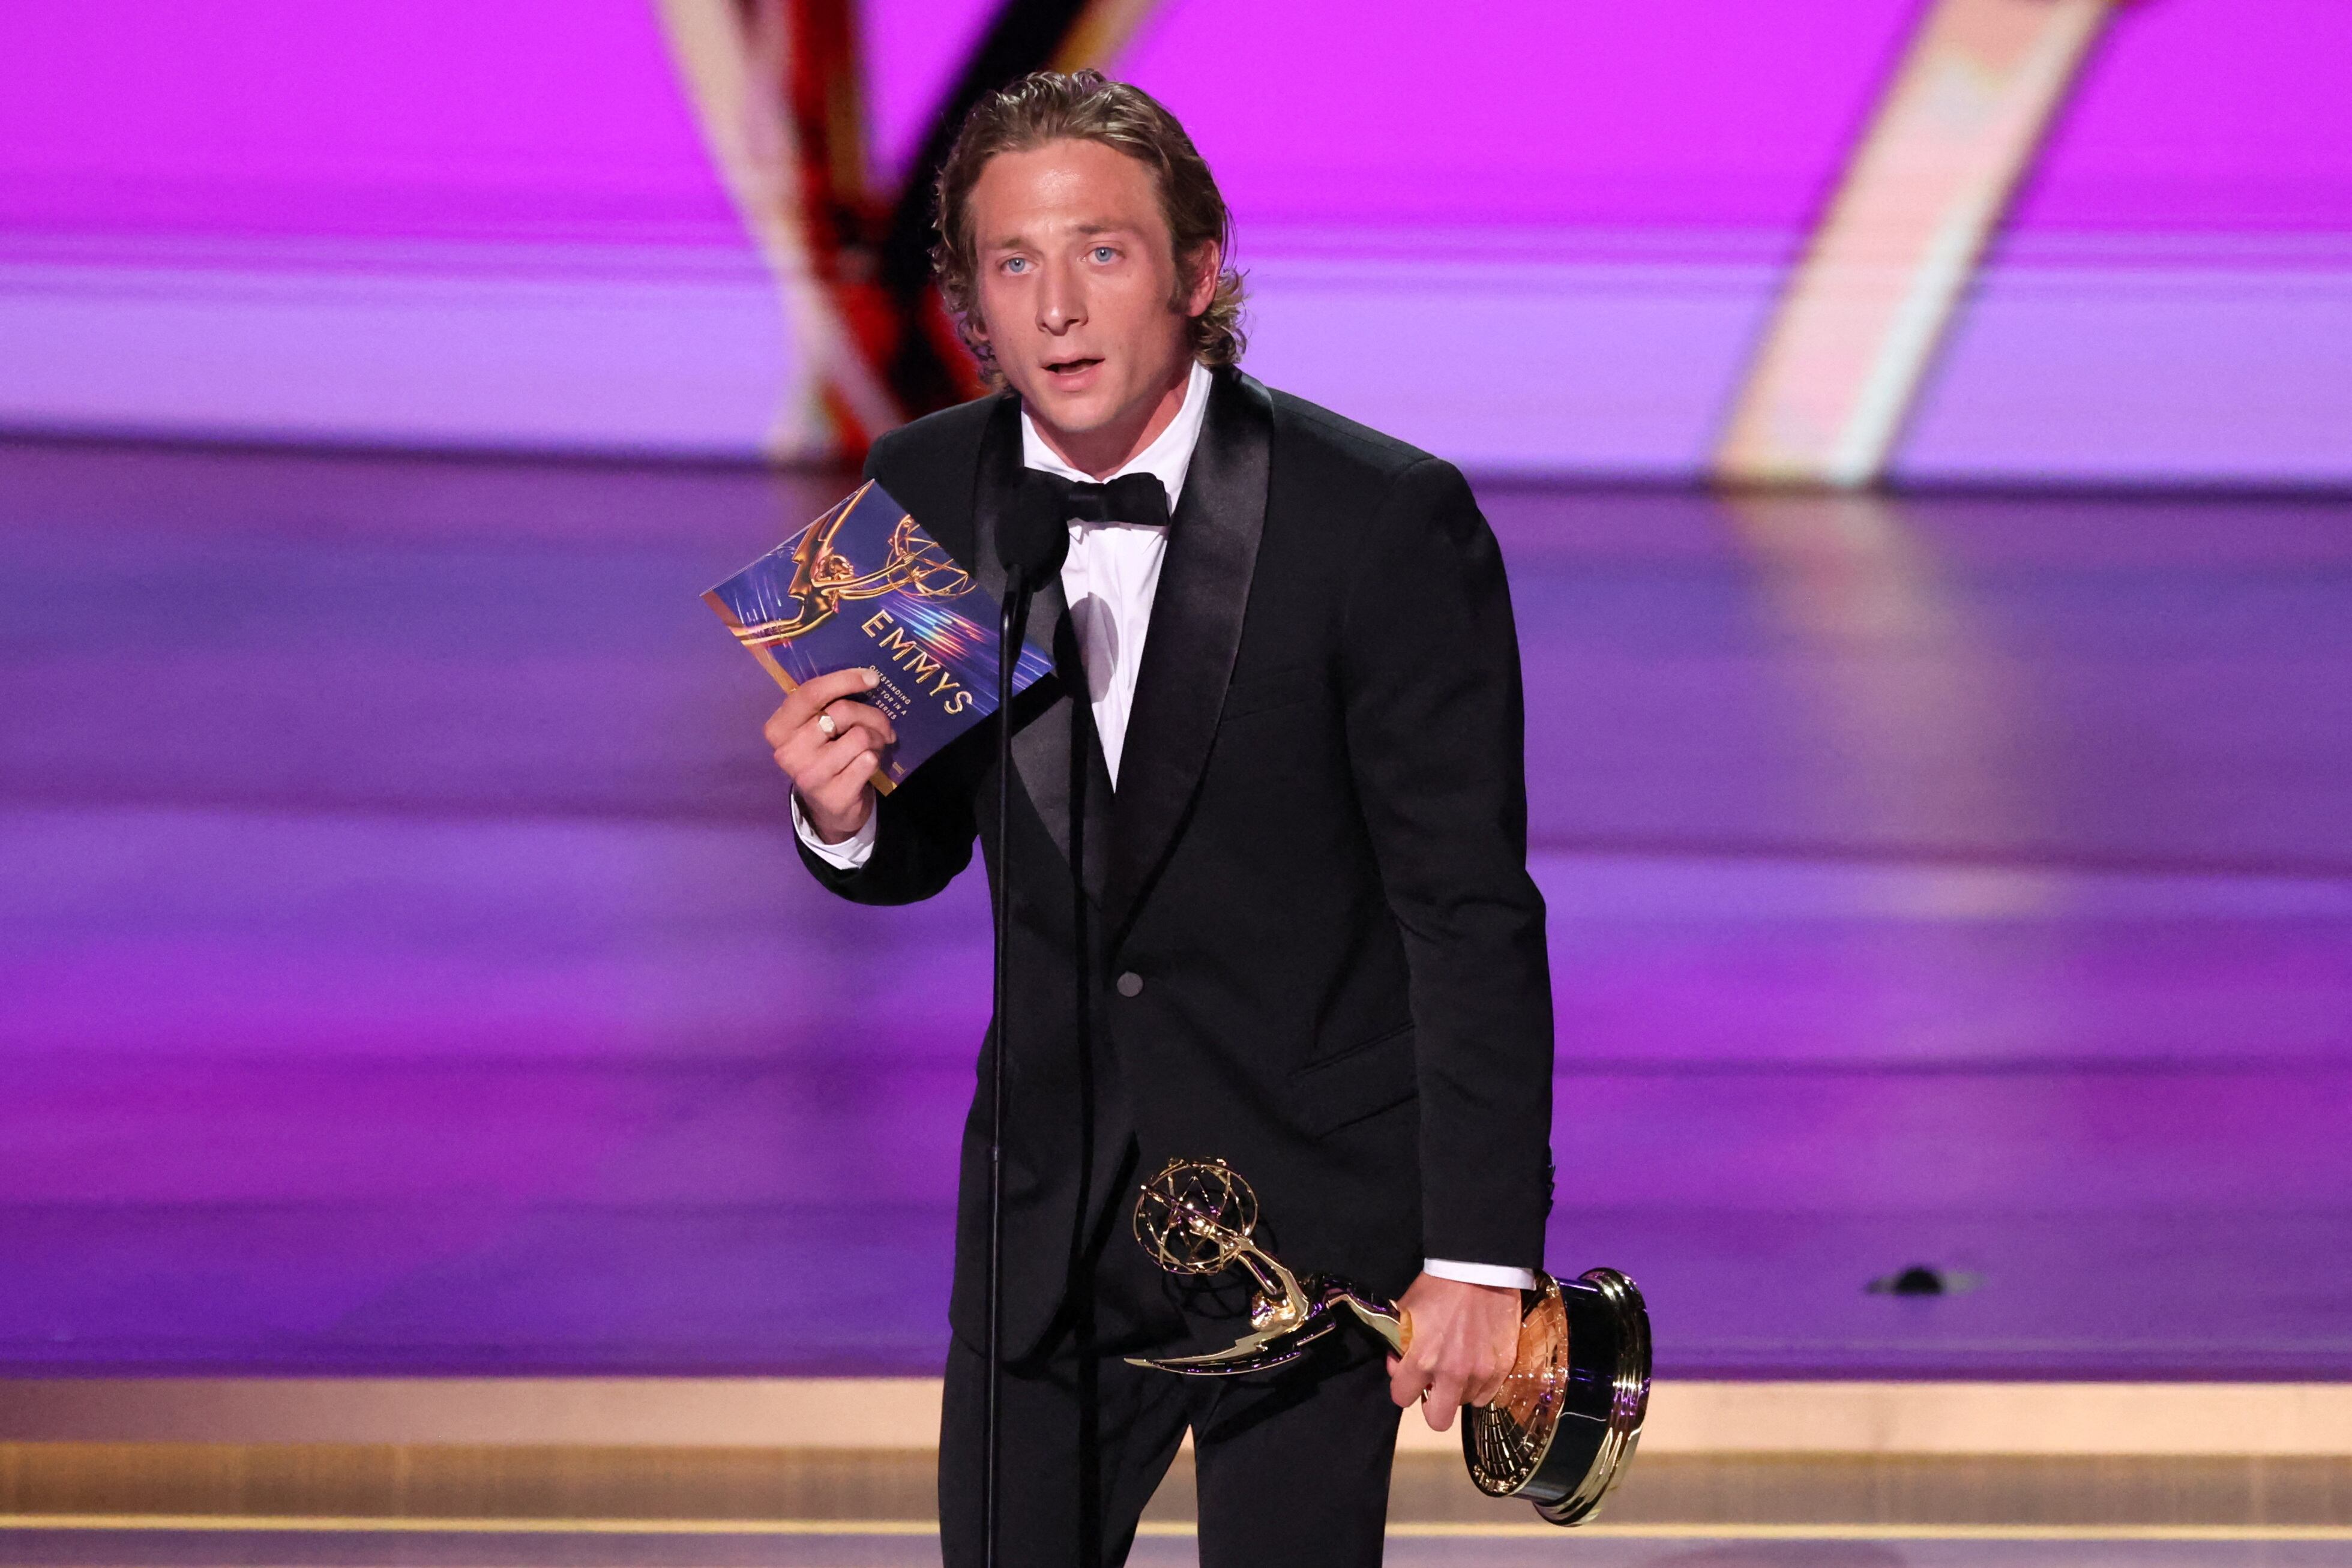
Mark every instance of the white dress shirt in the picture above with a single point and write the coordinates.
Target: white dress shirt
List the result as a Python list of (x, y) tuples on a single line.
[(1109, 581)]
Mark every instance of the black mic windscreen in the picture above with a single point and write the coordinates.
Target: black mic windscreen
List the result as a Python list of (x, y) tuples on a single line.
[(1033, 533)]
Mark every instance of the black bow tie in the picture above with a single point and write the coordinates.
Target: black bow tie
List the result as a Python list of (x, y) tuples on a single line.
[(1137, 498)]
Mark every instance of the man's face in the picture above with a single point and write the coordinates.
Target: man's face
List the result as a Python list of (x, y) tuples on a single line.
[(1077, 286)]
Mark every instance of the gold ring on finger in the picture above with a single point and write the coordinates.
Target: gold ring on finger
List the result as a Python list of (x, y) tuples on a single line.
[(825, 724)]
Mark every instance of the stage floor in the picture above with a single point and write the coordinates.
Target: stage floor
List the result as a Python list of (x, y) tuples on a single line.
[(711, 1508), (406, 968)]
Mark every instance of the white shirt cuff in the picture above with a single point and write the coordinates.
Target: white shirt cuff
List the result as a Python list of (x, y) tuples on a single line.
[(1480, 1274), (848, 854)]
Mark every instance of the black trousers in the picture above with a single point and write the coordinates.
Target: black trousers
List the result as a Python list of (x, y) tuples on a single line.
[(1292, 1465)]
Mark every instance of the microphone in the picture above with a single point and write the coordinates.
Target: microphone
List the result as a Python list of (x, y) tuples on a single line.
[(1033, 535)]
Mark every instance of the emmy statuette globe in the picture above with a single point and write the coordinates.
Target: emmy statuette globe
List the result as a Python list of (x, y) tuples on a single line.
[(1561, 1431)]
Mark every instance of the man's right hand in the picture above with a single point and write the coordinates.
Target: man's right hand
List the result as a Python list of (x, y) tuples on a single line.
[(832, 774)]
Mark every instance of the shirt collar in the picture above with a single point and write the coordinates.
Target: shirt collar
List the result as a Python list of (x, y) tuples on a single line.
[(1168, 458)]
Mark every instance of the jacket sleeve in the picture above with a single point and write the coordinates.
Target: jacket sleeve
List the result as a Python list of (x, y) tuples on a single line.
[(923, 833), (1430, 670)]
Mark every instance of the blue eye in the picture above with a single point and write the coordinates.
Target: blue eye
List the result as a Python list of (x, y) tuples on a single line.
[(1017, 264), (1104, 253)]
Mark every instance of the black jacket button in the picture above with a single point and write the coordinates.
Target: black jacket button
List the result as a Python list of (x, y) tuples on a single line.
[(1130, 984)]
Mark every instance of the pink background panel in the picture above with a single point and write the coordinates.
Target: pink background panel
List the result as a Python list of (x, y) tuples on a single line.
[(558, 118), (914, 51), (1669, 112), (1537, 237), (2205, 115), (2172, 297), (447, 222)]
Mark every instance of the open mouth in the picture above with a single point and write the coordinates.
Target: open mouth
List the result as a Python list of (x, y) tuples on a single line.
[(1070, 367)]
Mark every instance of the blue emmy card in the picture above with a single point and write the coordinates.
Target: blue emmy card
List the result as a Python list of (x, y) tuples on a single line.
[(864, 584)]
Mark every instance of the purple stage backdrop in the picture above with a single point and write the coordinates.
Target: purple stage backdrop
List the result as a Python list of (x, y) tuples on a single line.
[(404, 963), (1544, 236)]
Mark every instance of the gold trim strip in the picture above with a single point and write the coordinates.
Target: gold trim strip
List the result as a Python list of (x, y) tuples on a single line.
[(331, 1524), (223, 1524), (624, 1412), (1432, 1530), (2141, 1420)]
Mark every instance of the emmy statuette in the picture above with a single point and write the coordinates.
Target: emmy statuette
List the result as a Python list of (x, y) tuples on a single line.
[(1561, 1431)]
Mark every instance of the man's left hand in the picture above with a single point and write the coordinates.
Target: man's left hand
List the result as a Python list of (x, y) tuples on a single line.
[(1465, 1338)]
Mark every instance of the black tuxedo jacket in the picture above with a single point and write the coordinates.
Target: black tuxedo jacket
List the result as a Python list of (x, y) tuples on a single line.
[(1301, 937)]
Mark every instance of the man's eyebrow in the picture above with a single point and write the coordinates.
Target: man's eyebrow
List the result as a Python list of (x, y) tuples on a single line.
[(1022, 242)]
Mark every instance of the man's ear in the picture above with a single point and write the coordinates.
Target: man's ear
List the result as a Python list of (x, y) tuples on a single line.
[(1204, 265)]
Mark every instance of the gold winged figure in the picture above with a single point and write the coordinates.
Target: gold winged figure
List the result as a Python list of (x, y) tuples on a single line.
[(824, 580), (1560, 1433)]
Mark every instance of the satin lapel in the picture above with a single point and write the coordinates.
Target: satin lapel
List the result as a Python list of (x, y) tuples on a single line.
[(1041, 743), (1196, 627)]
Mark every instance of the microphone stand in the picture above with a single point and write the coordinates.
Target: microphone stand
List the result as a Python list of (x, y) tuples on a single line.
[(1015, 612)]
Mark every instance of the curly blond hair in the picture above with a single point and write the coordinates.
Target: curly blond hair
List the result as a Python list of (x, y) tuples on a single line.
[(1082, 106)]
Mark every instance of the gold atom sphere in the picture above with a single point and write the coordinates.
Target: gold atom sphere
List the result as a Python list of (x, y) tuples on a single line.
[(1196, 1216)]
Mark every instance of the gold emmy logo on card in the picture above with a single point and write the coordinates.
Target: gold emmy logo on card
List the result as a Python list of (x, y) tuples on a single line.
[(824, 579), (1561, 1432)]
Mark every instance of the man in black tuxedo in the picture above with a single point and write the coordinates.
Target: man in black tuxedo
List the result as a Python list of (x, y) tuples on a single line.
[(1269, 899)]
